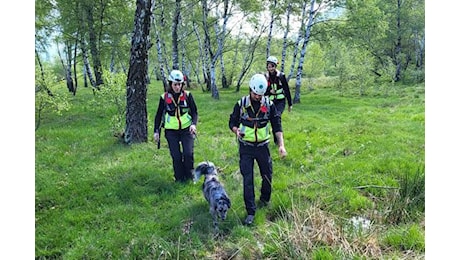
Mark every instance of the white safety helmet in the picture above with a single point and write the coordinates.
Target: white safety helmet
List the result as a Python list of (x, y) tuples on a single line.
[(258, 84), (176, 76), (273, 60)]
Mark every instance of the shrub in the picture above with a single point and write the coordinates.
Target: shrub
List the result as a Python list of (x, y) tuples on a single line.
[(409, 200), (113, 92), (48, 97)]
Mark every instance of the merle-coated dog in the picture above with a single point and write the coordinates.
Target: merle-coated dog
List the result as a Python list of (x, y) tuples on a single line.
[(213, 191)]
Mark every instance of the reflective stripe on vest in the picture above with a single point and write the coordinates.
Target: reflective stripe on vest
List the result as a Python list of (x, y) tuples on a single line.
[(176, 114), (254, 125)]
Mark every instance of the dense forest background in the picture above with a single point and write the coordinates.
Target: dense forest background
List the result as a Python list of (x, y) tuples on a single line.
[(218, 43)]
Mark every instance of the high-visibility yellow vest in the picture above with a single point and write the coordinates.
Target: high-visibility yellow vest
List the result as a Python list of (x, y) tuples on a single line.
[(255, 124), (279, 92), (176, 114)]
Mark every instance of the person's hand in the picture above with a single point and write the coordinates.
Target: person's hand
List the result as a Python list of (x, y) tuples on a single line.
[(239, 133), (192, 129), (290, 108), (282, 152), (156, 137)]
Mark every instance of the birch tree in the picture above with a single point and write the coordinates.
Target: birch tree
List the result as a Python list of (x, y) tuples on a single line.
[(159, 49), (221, 34), (202, 54), (285, 35), (211, 70), (174, 42), (136, 84), (297, 42), (311, 17), (315, 9), (94, 36), (406, 34), (273, 7)]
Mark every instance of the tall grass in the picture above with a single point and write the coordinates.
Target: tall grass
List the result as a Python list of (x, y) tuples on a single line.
[(348, 156)]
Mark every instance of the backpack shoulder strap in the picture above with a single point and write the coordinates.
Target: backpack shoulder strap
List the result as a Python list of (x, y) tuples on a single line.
[(244, 102), (266, 101)]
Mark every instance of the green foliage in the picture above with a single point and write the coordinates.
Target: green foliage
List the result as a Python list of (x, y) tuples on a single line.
[(98, 198), (314, 62), (49, 97), (353, 68), (410, 237), (113, 94)]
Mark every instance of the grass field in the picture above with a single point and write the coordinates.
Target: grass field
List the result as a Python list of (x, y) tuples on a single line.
[(351, 159)]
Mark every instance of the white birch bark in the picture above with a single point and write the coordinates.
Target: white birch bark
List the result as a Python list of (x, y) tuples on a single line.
[(306, 39)]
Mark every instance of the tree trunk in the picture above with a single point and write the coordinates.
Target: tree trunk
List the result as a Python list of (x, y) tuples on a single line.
[(67, 66), (398, 47), (136, 85), (175, 24), (93, 47), (306, 39), (270, 30), (221, 45), (185, 69), (420, 50), (283, 52), (159, 51), (87, 66), (42, 84), (210, 56), (74, 58), (296, 45), (202, 54)]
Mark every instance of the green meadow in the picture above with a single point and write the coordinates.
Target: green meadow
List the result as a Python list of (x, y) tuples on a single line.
[(351, 187)]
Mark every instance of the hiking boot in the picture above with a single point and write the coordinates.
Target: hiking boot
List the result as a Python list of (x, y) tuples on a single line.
[(249, 220)]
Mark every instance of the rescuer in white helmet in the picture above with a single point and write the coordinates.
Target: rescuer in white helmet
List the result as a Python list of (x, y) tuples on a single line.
[(278, 88), (177, 113), (251, 119)]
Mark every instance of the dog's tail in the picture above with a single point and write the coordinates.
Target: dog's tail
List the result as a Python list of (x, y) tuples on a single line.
[(201, 169)]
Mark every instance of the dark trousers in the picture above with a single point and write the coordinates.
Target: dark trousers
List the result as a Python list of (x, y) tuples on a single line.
[(182, 157), (261, 155), (280, 105)]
